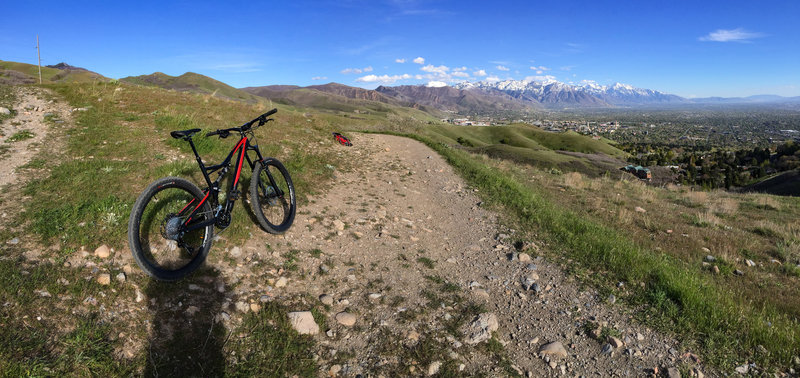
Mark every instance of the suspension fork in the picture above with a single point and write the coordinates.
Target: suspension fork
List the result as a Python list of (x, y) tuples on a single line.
[(261, 160)]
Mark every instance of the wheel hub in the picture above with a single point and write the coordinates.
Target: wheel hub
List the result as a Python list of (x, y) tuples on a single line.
[(271, 195)]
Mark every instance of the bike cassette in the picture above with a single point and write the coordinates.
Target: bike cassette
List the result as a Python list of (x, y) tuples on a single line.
[(223, 221)]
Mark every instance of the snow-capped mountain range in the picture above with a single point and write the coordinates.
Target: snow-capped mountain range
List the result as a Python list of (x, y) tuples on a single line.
[(552, 92)]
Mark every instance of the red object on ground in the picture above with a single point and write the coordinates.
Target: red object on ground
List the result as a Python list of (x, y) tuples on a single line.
[(342, 139)]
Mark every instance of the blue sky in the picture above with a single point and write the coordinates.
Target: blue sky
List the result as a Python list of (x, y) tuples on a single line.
[(689, 48)]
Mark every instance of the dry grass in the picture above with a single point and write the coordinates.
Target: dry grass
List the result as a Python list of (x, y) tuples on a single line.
[(708, 218), (725, 205), (644, 192), (696, 198), (574, 180), (765, 201), (624, 216)]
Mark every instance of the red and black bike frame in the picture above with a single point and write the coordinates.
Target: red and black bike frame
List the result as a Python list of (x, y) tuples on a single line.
[(212, 189)]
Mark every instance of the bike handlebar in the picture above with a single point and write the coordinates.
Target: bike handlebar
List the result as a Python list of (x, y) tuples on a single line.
[(262, 119)]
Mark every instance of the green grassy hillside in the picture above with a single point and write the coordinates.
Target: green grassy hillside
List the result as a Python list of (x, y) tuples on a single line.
[(193, 83), (533, 146), (23, 73)]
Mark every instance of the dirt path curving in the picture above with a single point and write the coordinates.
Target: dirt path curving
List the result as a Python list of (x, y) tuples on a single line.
[(404, 245)]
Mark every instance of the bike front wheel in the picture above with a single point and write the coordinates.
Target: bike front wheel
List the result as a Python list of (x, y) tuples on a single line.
[(158, 229), (272, 196)]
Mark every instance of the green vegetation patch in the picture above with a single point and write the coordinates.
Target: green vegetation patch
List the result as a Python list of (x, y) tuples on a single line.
[(30, 340), (20, 136), (267, 345)]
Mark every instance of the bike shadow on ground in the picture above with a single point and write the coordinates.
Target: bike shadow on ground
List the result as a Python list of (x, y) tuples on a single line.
[(187, 332)]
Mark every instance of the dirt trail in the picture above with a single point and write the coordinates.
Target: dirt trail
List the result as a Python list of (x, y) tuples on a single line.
[(406, 245), (33, 108), (36, 125)]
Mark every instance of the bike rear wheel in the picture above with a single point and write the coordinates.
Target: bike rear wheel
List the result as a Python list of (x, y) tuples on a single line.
[(156, 229), (272, 196)]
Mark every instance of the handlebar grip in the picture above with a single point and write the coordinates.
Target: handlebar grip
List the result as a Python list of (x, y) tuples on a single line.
[(269, 113), (212, 133)]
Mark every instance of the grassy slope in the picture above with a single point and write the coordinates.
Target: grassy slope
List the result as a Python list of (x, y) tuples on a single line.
[(52, 75), (113, 151), (528, 145)]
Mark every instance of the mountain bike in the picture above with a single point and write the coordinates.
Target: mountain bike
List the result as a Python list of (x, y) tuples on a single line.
[(171, 227)]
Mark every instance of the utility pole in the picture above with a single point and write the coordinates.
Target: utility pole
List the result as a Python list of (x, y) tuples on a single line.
[(39, 54)]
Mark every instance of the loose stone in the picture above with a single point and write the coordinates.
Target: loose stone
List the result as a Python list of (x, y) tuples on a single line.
[(346, 319), (303, 322), (555, 349)]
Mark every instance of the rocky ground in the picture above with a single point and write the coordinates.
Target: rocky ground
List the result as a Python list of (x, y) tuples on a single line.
[(413, 274), (402, 245)]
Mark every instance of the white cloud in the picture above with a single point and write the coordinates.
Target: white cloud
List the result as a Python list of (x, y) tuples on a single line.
[(459, 74), (540, 68), (492, 79), (479, 73), (502, 68), (319, 78), (347, 71), (436, 84), (567, 68), (459, 69), (351, 70), (419, 60), (431, 68), (399, 60), (384, 79), (733, 35)]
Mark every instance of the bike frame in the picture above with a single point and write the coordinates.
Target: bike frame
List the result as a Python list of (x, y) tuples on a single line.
[(212, 189)]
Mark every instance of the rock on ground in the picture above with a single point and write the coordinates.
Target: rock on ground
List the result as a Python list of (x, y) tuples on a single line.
[(303, 322), (554, 349), (481, 328), (346, 319)]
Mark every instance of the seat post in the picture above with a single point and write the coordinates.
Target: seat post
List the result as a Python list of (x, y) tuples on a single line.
[(199, 162)]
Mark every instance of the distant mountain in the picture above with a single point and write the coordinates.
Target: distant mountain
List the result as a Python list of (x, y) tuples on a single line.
[(64, 66), (351, 92), (270, 91), (553, 93), (623, 94), (194, 83), (757, 99), (12, 73), (549, 93), (335, 97), (469, 100)]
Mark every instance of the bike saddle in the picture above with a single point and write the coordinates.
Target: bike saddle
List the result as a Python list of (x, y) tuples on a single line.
[(183, 133)]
